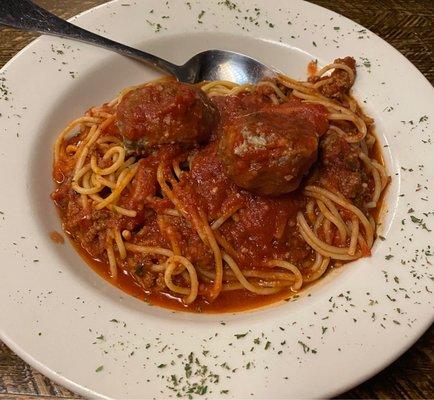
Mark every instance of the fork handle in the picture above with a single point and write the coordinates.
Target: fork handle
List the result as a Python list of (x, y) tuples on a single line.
[(26, 15)]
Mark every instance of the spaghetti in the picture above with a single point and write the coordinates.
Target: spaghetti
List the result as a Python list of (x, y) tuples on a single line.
[(170, 219)]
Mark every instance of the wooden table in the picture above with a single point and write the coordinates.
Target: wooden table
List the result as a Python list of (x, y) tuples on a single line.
[(406, 24)]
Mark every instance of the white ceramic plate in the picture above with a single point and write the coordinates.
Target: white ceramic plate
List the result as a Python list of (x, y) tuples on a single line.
[(63, 319)]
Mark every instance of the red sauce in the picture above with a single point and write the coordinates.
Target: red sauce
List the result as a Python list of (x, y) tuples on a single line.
[(57, 237), (237, 300), (263, 224)]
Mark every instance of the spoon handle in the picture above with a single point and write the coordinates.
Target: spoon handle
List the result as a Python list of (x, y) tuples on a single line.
[(25, 15)]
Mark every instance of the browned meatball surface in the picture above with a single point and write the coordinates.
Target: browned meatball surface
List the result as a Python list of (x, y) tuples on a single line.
[(165, 112), (269, 152)]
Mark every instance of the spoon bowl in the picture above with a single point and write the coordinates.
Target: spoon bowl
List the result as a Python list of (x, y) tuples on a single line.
[(214, 65)]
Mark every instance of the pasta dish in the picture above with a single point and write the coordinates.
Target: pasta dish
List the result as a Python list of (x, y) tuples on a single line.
[(221, 197)]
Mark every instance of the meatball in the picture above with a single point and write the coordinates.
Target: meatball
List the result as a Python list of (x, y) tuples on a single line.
[(165, 112), (269, 152)]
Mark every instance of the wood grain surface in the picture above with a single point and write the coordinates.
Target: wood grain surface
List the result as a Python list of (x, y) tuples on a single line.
[(408, 25)]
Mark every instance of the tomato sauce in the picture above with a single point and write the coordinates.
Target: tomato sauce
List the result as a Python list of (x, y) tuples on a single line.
[(231, 301)]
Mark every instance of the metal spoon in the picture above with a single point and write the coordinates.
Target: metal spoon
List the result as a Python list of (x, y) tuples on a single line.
[(206, 66)]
